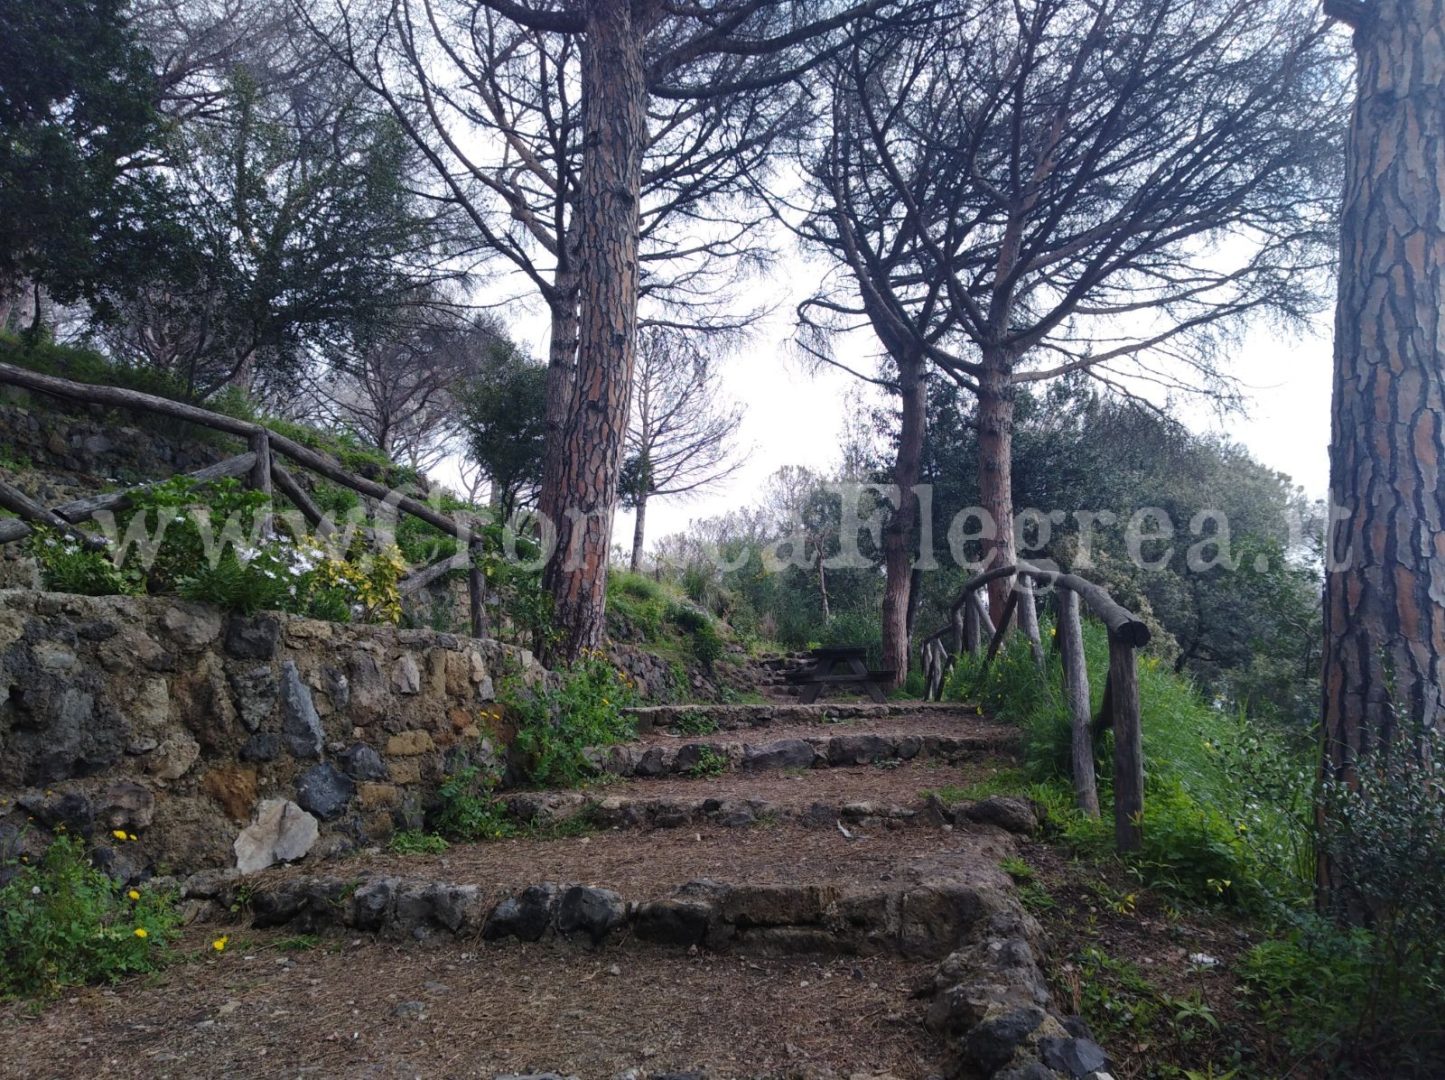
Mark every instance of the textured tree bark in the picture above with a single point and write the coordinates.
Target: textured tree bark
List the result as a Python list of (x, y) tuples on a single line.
[(1128, 746), (1076, 693), (561, 371), (1384, 664), (898, 533), (639, 529), (995, 472), (615, 135)]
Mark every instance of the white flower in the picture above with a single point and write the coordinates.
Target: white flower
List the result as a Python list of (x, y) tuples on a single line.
[(35, 890), (1203, 959)]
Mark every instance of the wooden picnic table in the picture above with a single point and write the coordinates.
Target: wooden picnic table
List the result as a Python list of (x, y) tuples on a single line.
[(840, 665)]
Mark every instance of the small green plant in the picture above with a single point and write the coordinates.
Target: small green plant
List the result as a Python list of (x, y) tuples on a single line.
[(68, 566), (1016, 868), (558, 726), (415, 842), (298, 943), (710, 762), (63, 923), (469, 809), (694, 722), (707, 645), (1114, 997)]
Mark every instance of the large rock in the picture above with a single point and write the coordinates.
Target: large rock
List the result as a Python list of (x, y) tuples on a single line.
[(1076, 1058), (324, 790), (1007, 812), (300, 725), (594, 912), (525, 916), (282, 832), (859, 749), (361, 762), (782, 754), (673, 922), (991, 1045), (255, 692), (125, 805)]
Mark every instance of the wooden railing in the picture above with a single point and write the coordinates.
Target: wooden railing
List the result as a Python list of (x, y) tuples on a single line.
[(969, 625), (260, 467)]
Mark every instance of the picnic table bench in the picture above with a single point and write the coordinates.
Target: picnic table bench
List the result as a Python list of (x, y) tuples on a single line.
[(840, 665)]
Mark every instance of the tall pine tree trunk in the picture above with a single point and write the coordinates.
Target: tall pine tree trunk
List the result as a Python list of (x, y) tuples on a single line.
[(898, 533), (639, 528), (561, 369), (615, 134), (995, 471), (1384, 663)]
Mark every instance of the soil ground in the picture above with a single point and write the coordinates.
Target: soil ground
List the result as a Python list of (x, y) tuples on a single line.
[(350, 1008), (952, 724), (900, 784), (643, 866)]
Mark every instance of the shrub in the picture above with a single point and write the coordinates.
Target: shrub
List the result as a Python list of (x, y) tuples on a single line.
[(1367, 1000), (468, 808), (68, 566), (556, 726), (710, 762), (63, 922), (1226, 806), (707, 645)]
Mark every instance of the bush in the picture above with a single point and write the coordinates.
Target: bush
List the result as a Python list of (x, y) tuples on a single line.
[(555, 727), (64, 922), (1226, 808), (468, 808), (68, 566), (1367, 1000)]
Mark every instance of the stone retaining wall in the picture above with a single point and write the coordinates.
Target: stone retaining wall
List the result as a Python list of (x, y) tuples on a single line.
[(211, 737)]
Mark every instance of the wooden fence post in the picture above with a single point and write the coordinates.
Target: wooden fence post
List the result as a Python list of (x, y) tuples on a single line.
[(1076, 692), (972, 637), (1028, 616), (1008, 609), (476, 589), (1128, 746), (260, 478)]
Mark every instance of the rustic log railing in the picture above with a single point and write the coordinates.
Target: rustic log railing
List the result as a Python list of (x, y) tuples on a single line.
[(969, 626), (260, 467)]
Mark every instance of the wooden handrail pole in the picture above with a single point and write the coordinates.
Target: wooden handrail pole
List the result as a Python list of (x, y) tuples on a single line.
[(1128, 747), (1070, 640)]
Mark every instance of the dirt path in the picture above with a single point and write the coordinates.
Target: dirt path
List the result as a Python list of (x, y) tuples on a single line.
[(351, 1008)]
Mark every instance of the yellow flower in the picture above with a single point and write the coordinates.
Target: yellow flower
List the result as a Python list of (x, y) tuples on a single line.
[(220, 943), (132, 836), (133, 895), (119, 834), (140, 932)]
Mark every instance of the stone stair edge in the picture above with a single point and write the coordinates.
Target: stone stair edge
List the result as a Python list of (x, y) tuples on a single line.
[(924, 919), (814, 751)]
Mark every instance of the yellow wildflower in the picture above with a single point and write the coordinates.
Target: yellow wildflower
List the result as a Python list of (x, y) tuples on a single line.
[(220, 943), (132, 836), (140, 932), (119, 834), (133, 895)]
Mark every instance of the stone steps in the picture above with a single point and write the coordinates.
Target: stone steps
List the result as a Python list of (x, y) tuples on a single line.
[(543, 809), (777, 713), (924, 913), (799, 750), (817, 845), (778, 894)]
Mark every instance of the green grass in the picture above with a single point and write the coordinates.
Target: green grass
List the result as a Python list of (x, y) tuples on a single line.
[(414, 842), (1226, 804), (1003, 782), (710, 762), (298, 943)]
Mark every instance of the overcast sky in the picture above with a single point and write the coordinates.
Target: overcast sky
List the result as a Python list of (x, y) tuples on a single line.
[(794, 416)]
